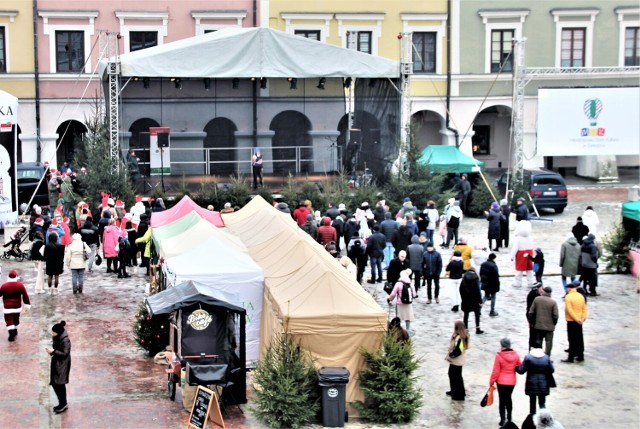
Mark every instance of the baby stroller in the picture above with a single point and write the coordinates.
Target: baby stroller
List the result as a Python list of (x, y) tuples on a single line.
[(17, 238)]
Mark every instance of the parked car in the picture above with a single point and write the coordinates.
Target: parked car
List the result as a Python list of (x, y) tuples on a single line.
[(29, 175), (547, 188)]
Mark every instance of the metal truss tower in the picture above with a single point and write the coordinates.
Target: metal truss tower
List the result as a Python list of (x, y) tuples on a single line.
[(109, 52), (406, 70)]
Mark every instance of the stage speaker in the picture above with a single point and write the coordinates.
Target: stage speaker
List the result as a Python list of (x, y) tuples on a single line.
[(355, 136), (163, 139)]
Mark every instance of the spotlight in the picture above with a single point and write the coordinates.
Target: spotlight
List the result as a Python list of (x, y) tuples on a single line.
[(263, 83), (347, 82), (236, 83), (293, 83), (207, 83), (146, 82), (321, 83), (178, 83)]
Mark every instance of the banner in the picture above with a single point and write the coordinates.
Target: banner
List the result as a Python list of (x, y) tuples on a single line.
[(159, 157), (588, 121), (8, 162)]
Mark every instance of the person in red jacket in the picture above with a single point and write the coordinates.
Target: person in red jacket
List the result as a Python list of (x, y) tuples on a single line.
[(504, 375), (327, 233), (300, 214), (13, 294)]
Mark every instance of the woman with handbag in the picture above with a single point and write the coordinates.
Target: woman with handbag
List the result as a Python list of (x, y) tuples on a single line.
[(539, 371), (504, 375), (75, 257), (456, 356)]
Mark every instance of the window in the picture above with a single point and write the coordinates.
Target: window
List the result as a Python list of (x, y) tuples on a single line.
[(360, 41), (502, 50), (501, 26), (424, 52), (3, 52), (632, 46), (480, 139), (142, 39), (69, 51), (309, 34), (572, 48)]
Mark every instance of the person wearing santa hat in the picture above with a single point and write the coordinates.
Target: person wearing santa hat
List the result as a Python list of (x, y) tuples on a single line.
[(136, 210), (14, 297), (37, 226), (66, 237), (55, 227)]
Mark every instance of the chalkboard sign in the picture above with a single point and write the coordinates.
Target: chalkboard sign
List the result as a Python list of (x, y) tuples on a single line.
[(201, 407)]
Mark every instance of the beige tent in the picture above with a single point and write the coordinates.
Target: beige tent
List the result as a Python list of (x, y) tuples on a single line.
[(308, 292)]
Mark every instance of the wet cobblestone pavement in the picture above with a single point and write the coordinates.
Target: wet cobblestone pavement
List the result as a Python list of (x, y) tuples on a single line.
[(115, 384)]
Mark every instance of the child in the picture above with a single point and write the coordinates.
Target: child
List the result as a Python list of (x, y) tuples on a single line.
[(538, 263), (442, 229), (124, 256)]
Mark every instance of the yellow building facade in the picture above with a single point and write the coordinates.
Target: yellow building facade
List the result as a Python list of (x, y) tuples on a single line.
[(16, 48)]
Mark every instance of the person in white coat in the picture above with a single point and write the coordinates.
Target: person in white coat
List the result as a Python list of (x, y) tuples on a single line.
[(75, 261), (590, 219)]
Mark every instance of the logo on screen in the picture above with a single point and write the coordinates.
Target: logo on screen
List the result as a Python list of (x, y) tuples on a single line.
[(592, 108), (199, 319)]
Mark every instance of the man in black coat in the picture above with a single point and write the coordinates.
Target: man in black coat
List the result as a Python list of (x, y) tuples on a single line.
[(375, 247), (490, 279), (332, 211), (580, 230), (522, 211), (431, 269), (401, 239), (470, 297)]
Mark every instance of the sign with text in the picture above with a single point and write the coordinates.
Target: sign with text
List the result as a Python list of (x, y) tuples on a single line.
[(205, 406), (159, 155), (588, 121)]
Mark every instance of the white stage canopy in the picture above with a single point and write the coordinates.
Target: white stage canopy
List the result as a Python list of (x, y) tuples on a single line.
[(253, 52)]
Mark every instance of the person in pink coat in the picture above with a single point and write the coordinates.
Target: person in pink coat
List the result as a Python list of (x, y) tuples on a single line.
[(110, 242), (504, 375), (403, 310)]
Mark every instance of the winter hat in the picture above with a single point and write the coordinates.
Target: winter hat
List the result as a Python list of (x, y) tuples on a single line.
[(451, 200), (227, 205), (574, 284), (38, 210), (58, 328), (110, 202), (591, 236), (387, 215), (462, 240), (457, 253), (492, 256), (547, 290), (210, 207), (579, 219), (495, 205), (310, 216), (406, 200), (119, 203), (423, 233), (13, 274), (506, 343), (430, 244), (39, 221), (364, 205), (65, 219), (342, 207), (503, 202), (54, 221)]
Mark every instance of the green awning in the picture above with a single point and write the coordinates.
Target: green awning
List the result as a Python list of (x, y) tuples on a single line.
[(631, 210), (448, 159)]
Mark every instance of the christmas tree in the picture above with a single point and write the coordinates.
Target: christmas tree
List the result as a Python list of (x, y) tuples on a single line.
[(390, 390), (151, 333)]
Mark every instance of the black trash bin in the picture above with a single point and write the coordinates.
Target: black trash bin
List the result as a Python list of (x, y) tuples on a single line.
[(333, 382)]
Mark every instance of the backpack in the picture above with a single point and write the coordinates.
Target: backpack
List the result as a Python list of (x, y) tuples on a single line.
[(406, 297)]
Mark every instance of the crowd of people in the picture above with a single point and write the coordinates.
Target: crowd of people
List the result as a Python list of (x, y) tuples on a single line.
[(400, 250), (403, 246)]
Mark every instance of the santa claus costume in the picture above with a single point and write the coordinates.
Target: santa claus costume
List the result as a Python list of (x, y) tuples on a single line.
[(15, 298), (522, 248)]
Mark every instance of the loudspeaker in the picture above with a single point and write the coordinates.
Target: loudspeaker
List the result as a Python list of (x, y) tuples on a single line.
[(163, 139), (355, 136)]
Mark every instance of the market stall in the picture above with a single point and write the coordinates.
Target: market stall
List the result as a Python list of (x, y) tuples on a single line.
[(207, 335)]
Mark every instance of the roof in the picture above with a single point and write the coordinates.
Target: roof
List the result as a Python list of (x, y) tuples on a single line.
[(250, 53), (187, 294)]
